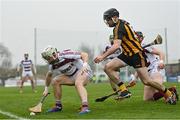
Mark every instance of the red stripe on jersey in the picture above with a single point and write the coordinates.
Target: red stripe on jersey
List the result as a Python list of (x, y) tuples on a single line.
[(68, 52), (58, 65)]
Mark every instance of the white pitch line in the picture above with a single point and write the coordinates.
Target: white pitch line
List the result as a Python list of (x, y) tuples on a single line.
[(11, 115)]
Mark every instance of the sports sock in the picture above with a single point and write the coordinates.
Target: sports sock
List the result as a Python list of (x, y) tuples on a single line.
[(84, 104), (122, 86), (167, 93), (158, 95), (58, 103), (172, 89)]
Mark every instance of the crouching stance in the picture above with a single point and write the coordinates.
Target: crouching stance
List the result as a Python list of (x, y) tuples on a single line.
[(69, 68)]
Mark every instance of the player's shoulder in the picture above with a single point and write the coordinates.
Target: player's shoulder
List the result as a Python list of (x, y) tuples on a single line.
[(121, 26), (65, 52), (107, 47), (69, 52), (124, 22)]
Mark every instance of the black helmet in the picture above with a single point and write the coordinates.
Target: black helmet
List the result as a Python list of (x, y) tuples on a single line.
[(139, 34), (110, 13)]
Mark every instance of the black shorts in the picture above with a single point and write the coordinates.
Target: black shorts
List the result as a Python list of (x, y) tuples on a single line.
[(137, 60)]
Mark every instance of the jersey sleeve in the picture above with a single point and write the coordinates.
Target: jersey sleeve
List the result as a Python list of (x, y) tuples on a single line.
[(119, 31), (118, 35), (50, 68), (31, 61), (69, 54), (106, 48), (149, 49)]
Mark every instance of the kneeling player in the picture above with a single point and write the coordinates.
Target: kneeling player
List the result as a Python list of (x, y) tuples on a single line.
[(155, 69)]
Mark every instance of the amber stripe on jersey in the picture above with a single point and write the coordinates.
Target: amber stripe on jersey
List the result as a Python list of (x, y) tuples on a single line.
[(131, 40), (132, 37), (130, 43), (142, 59)]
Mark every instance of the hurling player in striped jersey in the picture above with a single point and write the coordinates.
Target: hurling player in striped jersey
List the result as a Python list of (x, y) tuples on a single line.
[(67, 68), (27, 72)]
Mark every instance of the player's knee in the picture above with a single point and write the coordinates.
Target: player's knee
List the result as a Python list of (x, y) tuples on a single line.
[(107, 68), (78, 84), (148, 98), (54, 82), (147, 82)]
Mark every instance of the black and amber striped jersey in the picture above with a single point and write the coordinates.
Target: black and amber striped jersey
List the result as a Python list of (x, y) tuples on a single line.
[(130, 43)]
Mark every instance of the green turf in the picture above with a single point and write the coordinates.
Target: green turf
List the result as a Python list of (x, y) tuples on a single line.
[(14, 102)]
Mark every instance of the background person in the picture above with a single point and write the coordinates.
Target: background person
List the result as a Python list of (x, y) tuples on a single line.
[(27, 72)]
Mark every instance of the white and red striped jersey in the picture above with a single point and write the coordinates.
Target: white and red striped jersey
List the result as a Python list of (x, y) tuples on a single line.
[(115, 54), (153, 60), (68, 63), (26, 65)]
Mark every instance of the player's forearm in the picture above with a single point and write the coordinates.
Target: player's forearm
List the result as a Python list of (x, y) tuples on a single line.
[(159, 53), (48, 79), (110, 50), (161, 56), (84, 57)]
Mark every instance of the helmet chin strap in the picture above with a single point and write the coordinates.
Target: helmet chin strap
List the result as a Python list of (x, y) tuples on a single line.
[(114, 20), (105, 21)]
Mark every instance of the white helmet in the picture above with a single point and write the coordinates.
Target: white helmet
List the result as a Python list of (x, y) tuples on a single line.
[(48, 52)]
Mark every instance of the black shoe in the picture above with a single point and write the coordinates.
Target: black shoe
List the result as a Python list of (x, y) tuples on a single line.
[(124, 94), (172, 99), (56, 108), (175, 92)]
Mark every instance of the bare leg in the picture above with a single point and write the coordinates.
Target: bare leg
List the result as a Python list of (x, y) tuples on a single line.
[(113, 85), (80, 82), (32, 83), (21, 85), (111, 69), (57, 82), (145, 78), (150, 91)]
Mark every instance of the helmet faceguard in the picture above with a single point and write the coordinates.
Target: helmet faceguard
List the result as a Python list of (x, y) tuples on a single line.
[(49, 53), (140, 35)]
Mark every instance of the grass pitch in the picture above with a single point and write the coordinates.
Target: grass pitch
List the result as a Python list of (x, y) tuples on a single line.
[(133, 108)]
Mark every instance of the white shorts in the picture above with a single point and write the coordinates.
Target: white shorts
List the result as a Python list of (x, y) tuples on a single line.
[(89, 74), (27, 74), (153, 68)]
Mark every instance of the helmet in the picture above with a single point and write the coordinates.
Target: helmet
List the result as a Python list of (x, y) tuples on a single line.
[(48, 52), (110, 13), (139, 34)]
